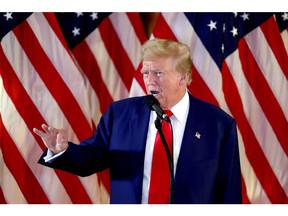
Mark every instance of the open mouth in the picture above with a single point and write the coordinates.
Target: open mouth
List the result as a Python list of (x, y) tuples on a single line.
[(154, 93)]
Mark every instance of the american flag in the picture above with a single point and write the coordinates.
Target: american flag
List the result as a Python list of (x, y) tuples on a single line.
[(64, 69)]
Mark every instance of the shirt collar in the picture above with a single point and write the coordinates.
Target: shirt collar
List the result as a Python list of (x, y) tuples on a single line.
[(180, 110)]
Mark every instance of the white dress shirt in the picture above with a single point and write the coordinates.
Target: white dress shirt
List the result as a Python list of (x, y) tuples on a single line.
[(178, 120)]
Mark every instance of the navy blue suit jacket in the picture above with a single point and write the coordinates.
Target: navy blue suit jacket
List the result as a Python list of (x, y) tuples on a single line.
[(208, 169)]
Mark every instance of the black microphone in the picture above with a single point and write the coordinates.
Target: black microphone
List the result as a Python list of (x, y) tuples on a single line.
[(154, 104)]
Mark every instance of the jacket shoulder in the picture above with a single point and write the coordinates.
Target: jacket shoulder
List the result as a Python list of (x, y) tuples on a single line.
[(128, 106), (209, 110)]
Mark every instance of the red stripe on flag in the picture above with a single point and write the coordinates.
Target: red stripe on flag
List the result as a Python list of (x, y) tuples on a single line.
[(53, 81), (117, 53), (245, 199), (264, 95), (162, 29), (260, 164), (104, 178), (90, 67), (270, 30), (199, 89), (20, 170), (138, 26)]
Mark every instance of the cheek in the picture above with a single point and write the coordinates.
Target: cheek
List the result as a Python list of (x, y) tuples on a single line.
[(169, 85), (147, 82), (167, 90)]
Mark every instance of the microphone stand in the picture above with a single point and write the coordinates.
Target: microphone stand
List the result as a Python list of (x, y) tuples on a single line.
[(158, 126)]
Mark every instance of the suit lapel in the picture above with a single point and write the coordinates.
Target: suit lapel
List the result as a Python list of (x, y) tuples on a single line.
[(191, 142), (138, 127)]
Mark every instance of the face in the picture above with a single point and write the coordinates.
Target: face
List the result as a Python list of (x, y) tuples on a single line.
[(161, 80)]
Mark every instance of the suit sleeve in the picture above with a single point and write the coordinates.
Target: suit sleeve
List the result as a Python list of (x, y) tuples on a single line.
[(230, 172), (90, 156)]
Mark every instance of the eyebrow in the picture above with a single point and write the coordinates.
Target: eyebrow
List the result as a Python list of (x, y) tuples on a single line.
[(148, 69)]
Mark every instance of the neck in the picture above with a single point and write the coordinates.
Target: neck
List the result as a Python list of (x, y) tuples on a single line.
[(176, 101)]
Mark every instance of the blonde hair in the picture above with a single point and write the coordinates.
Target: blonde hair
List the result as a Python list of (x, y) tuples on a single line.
[(164, 48)]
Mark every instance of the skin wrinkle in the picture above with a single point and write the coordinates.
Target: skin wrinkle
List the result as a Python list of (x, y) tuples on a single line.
[(160, 77)]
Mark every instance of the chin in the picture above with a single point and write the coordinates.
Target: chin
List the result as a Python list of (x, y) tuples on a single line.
[(163, 105)]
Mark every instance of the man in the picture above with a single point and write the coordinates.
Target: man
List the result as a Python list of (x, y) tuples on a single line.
[(205, 147)]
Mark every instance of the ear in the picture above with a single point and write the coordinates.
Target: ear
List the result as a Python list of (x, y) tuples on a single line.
[(183, 79)]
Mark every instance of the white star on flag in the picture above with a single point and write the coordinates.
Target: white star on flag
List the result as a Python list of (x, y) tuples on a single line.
[(285, 16), (8, 16), (94, 16), (212, 25), (234, 31), (245, 16), (76, 31)]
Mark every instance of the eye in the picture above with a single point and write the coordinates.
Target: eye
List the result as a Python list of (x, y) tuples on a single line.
[(159, 73), (145, 73)]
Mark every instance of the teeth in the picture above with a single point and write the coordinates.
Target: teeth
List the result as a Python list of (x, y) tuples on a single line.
[(154, 93)]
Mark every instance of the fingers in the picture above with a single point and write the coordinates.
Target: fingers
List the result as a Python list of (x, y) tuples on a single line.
[(38, 132), (52, 130), (46, 129), (54, 139)]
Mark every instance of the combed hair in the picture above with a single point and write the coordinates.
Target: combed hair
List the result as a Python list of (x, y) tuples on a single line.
[(164, 48)]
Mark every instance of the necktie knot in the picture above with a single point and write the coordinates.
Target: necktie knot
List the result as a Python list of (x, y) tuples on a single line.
[(168, 113)]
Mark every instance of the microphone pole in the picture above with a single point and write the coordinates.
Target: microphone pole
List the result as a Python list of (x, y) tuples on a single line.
[(158, 126)]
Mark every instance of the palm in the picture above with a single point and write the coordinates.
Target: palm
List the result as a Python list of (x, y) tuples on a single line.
[(54, 139), (49, 139)]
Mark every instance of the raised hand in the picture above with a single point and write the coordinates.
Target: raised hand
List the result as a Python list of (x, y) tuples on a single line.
[(54, 139)]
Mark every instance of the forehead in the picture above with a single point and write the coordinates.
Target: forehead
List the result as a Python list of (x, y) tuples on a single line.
[(159, 63), (150, 65)]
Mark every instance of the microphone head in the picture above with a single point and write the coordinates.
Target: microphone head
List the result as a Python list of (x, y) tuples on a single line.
[(150, 100), (154, 105)]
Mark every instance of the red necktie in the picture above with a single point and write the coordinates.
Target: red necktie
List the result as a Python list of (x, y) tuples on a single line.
[(159, 192)]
